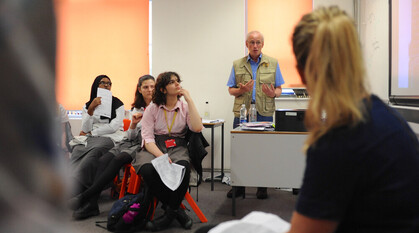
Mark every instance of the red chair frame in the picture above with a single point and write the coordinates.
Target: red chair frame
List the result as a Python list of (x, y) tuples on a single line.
[(134, 187)]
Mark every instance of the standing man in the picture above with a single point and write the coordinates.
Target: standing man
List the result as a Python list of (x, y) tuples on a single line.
[(255, 78)]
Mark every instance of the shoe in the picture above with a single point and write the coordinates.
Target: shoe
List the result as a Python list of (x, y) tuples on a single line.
[(86, 211), (184, 220), (239, 192), (163, 221), (75, 202), (262, 193)]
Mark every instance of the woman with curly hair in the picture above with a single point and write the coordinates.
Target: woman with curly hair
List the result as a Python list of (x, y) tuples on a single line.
[(165, 124)]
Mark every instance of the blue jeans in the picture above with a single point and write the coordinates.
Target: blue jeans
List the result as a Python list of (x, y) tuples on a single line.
[(259, 117)]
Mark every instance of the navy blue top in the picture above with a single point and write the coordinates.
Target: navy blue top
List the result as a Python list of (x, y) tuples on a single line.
[(365, 177)]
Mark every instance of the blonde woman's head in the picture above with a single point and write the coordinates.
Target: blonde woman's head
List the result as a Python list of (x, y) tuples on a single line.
[(329, 61)]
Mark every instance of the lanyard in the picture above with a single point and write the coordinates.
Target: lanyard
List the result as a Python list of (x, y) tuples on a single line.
[(167, 123)]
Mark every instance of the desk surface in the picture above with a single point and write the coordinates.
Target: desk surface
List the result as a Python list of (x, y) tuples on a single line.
[(265, 132), (213, 124), (238, 130)]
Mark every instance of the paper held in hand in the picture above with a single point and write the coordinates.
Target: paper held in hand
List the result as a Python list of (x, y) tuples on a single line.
[(170, 173), (105, 108)]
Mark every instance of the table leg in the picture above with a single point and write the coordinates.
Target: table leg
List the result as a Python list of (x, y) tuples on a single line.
[(222, 152), (212, 159), (233, 199)]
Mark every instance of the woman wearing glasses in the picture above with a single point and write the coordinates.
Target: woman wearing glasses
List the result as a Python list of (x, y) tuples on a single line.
[(85, 204), (98, 135), (165, 124)]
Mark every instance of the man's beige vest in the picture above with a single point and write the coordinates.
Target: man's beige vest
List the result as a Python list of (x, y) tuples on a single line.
[(265, 73)]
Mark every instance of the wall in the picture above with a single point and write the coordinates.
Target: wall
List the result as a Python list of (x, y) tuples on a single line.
[(347, 5), (100, 37), (372, 19), (199, 39), (204, 59), (374, 36), (276, 20)]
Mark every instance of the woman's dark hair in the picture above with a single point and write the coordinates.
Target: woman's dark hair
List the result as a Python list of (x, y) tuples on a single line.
[(159, 97), (95, 85), (139, 98)]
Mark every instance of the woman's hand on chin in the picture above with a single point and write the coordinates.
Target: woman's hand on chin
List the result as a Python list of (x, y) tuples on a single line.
[(185, 94)]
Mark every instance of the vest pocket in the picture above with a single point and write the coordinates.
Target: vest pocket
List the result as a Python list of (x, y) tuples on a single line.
[(267, 78), (238, 101), (242, 78), (269, 104)]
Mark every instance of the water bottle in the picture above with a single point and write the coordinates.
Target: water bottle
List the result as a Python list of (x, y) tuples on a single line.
[(243, 114), (128, 217), (252, 112), (207, 111)]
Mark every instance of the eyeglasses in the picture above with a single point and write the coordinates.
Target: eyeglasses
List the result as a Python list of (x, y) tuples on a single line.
[(255, 42), (105, 83), (173, 81)]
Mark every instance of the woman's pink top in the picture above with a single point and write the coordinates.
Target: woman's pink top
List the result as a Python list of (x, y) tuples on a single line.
[(154, 121)]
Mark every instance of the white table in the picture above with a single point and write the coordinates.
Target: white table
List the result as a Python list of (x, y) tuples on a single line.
[(266, 159)]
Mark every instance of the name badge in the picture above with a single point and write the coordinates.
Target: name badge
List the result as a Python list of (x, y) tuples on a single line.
[(170, 143)]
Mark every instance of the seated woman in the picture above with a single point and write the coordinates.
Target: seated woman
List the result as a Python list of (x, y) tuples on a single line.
[(362, 170), (123, 152), (165, 124), (99, 134)]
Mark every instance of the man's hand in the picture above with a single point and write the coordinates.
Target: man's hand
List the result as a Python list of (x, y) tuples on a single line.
[(246, 87), (269, 90), (241, 88)]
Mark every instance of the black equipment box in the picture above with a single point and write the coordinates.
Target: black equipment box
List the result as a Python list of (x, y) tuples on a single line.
[(291, 120)]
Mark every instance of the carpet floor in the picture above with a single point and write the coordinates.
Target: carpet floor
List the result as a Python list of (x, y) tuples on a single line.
[(214, 204)]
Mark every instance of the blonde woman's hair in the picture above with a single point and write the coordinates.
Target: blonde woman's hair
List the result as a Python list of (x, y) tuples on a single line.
[(327, 50)]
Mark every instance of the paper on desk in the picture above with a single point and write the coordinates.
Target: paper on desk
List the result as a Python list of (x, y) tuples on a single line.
[(170, 173), (258, 124), (255, 222), (212, 121), (105, 108)]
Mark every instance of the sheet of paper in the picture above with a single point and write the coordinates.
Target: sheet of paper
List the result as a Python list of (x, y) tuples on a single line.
[(170, 173), (258, 124), (253, 128), (255, 221), (105, 108), (212, 121)]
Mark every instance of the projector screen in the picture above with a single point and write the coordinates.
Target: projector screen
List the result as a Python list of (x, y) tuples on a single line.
[(404, 52)]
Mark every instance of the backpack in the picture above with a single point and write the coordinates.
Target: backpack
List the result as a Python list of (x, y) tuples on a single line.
[(139, 204)]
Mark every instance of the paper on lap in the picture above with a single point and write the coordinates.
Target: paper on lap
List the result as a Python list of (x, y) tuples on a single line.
[(170, 173)]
